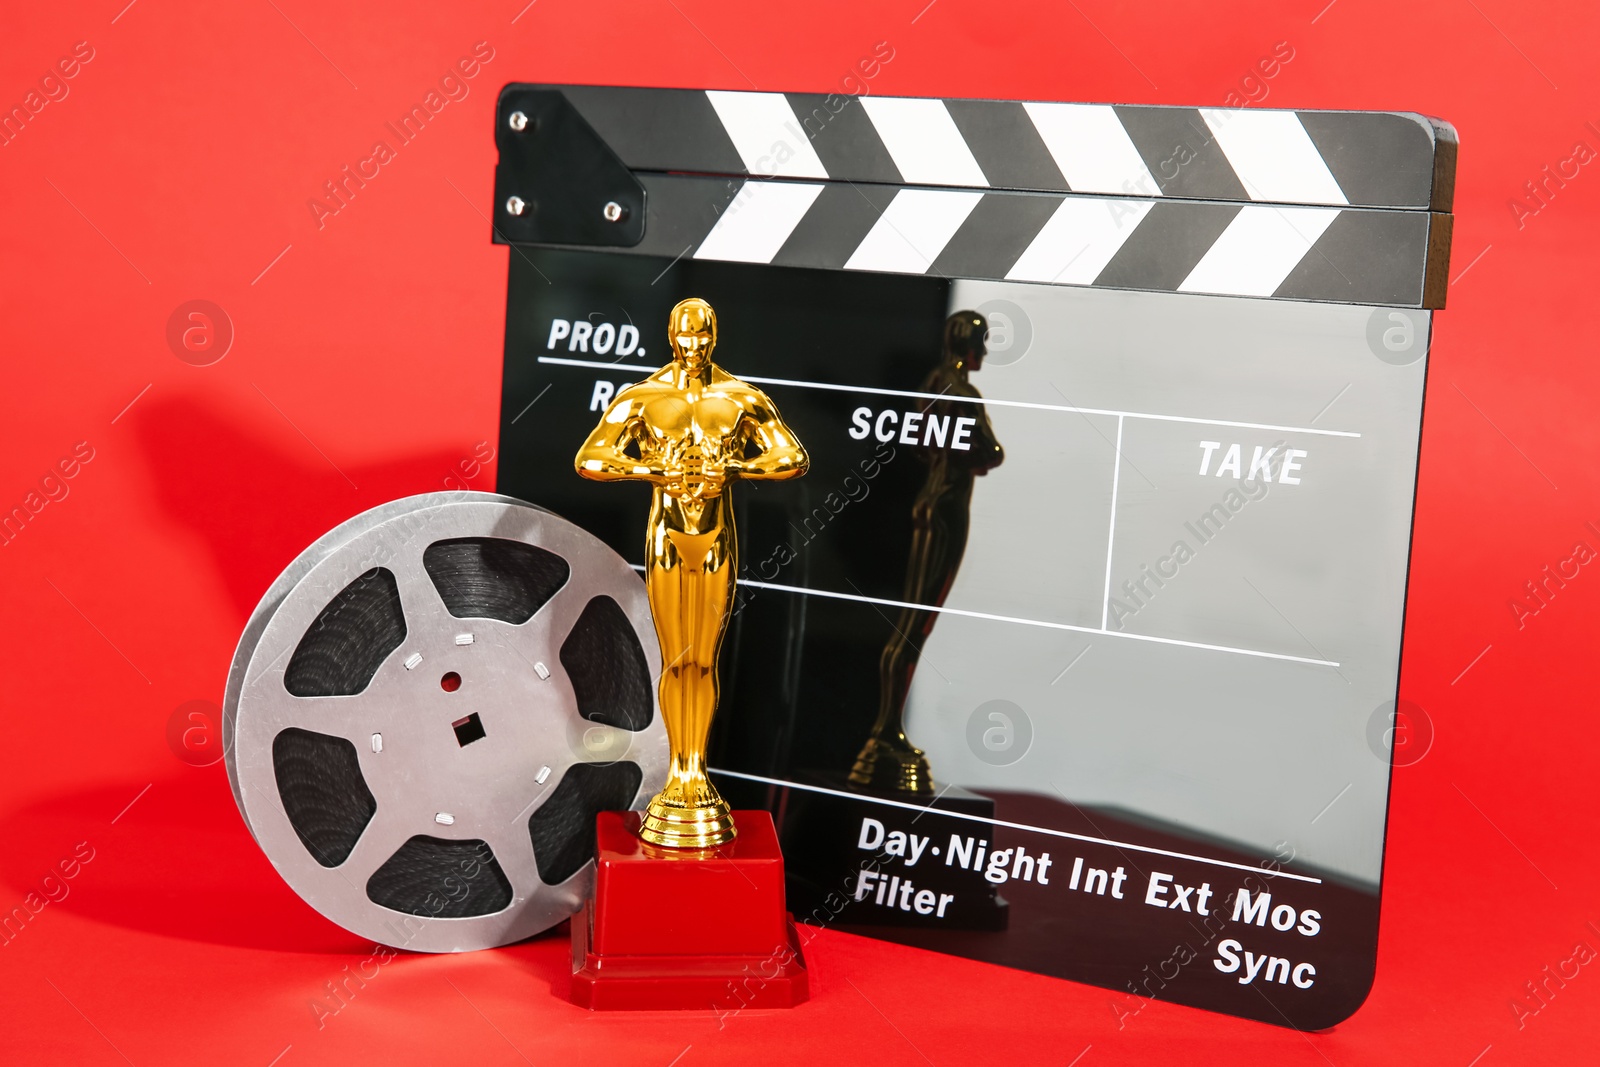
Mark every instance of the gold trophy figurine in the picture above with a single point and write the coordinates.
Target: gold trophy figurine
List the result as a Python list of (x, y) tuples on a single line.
[(690, 430)]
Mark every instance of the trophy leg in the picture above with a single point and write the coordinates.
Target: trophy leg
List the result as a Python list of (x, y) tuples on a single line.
[(889, 761), (690, 583)]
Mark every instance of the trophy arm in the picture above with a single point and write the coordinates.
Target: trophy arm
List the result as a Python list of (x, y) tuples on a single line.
[(604, 456), (985, 454), (986, 449), (778, 453)]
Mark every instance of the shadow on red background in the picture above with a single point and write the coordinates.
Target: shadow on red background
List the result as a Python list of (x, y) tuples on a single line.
[(251, 502), (181, 870)]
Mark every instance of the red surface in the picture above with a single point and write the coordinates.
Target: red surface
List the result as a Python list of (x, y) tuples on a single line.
[(364, 364), (687, 930)]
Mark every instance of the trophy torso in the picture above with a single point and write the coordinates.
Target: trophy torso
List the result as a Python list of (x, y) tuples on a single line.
[(692, 430)]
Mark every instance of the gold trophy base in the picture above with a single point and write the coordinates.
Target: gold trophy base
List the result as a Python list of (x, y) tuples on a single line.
[(674, 825), (889, 767)]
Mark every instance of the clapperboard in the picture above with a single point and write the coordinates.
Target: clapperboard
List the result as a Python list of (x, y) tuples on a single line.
[(1161, 675)]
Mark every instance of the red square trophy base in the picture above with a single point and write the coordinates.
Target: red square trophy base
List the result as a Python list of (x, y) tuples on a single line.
[(671, 929)]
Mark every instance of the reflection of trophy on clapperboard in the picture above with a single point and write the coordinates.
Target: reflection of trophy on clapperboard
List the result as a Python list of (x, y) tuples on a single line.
[(876, 809), (939, 522)]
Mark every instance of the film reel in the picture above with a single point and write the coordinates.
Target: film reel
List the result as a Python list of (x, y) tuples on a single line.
[(429, 707)]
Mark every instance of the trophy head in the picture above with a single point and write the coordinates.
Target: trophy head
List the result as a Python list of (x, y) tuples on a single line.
[(965, 333), (692, 329)]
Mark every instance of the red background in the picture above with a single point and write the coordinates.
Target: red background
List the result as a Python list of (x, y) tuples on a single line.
[(366, 365)]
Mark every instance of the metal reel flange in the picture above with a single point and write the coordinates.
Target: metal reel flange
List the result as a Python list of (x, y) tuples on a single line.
[(434, 711)]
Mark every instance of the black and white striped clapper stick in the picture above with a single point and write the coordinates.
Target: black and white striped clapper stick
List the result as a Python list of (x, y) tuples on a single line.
[(1350, 207)]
